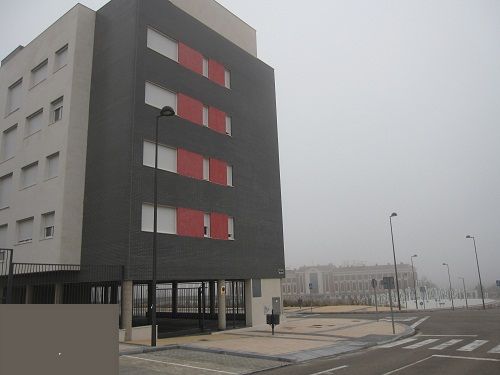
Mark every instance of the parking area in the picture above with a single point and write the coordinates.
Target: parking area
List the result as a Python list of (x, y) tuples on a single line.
[(190, 362)]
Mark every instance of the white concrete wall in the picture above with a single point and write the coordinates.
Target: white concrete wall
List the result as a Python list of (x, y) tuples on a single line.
[(258, 307), (64, 193), (222, 21)]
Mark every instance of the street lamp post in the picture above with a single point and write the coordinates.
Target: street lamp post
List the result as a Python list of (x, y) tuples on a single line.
[(478, 272), (394, 254), (165, 112), (465, 293), (451, 291), (414, 281)]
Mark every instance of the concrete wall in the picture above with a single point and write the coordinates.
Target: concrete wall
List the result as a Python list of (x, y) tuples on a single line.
[(222, 21), (62, 194), (258, 307)]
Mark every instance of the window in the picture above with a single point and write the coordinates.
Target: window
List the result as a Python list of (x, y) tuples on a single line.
[(52, 166), (3, 241), (162, 44), (167, 219), (48, 225), (206, 225), (167, 157), (25, 230), (56, 110), (34, 122), (205, 67), (205, 115), (61, 58), (14, 96), (229, 175), (5, 187), (39, 73), (230, 228), (9, 143), (158, 97), (227, 78), (206, 169), (28, 175), (228, 125)]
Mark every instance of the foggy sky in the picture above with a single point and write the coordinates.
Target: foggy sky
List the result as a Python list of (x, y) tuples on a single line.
[(382, 106)]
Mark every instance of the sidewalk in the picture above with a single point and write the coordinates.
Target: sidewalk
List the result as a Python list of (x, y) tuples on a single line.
[(296, 339)]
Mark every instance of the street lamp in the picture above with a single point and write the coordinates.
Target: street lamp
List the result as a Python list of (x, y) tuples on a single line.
[(414, 282), (478, 272), (465, 292), (451, 291), (394, 254), (165, 112)]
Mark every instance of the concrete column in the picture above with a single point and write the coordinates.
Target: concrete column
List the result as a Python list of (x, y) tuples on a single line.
[(175, 289), (248, 303), (221, 295), (28, 299), (127, 291), (2, 301), (58, 293), (211, 292)]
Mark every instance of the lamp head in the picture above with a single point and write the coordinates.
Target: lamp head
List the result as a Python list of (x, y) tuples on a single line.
[(445, 264), (394, 214), (414, 256), (468, 236), (167, 111)]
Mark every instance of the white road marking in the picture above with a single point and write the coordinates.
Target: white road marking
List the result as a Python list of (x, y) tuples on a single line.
[(405, 367), (420, 344), (471, 358), (472, 346), (330, 370), (446, 344), (449, 335), (406, 319), (396, 343), (180, 365), (420, 321), (496, 349)]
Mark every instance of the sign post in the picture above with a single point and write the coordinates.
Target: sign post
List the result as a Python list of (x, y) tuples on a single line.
[(388, 283), (310, 293), (374, 286)]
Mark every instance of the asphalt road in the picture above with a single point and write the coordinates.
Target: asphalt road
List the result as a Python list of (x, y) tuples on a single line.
[(460, 342)]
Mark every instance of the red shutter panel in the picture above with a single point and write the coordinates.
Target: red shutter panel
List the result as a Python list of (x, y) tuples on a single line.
[(189, 109), (189, 164), (190, 58), (216, 72), (217, 120), (218, 171), (218, 226), (189, 222)]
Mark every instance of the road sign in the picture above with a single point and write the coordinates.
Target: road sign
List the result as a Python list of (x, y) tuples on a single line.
[(388, 282), (374, 283)]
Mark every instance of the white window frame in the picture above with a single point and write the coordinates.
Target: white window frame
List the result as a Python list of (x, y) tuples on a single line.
[(23, 171), (28, 239), (227, 78), (205, 67), (229, 125), (230, 228), (229, 175), (42, 70), (50, 159), (9, 107), (56, 110), (28, 129), (148, 156), (12, 132), (159, 48), (153, 86), (205, 116), (57, 57), (7, 180), (44, 225), (147, 218), (206, 169), (206, 225)]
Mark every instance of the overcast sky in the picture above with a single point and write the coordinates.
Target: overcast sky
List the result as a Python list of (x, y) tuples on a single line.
[(382, 106)]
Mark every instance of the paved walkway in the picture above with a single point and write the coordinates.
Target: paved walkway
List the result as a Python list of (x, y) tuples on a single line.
[(296, 339)]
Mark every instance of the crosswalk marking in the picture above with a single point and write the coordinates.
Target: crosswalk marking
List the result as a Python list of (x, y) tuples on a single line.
[(472, 346), (446, 344), (420, 344), (495, 350), (396, 343)]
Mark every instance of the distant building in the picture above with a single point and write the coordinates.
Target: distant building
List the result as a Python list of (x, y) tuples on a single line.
[(342, 283)]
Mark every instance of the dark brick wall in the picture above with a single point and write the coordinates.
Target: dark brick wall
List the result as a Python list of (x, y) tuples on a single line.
[(255, 199)]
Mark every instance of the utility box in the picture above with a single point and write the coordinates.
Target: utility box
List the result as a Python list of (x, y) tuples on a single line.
[(277, 305)]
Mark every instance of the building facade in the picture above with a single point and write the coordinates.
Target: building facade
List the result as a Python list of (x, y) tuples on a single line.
[(94, 112), (351, 283)]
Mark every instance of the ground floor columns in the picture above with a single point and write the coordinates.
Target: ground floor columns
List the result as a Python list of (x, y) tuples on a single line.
[(58, 293), (28, 299), (221, 295), (127, 290), (211, 295)]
